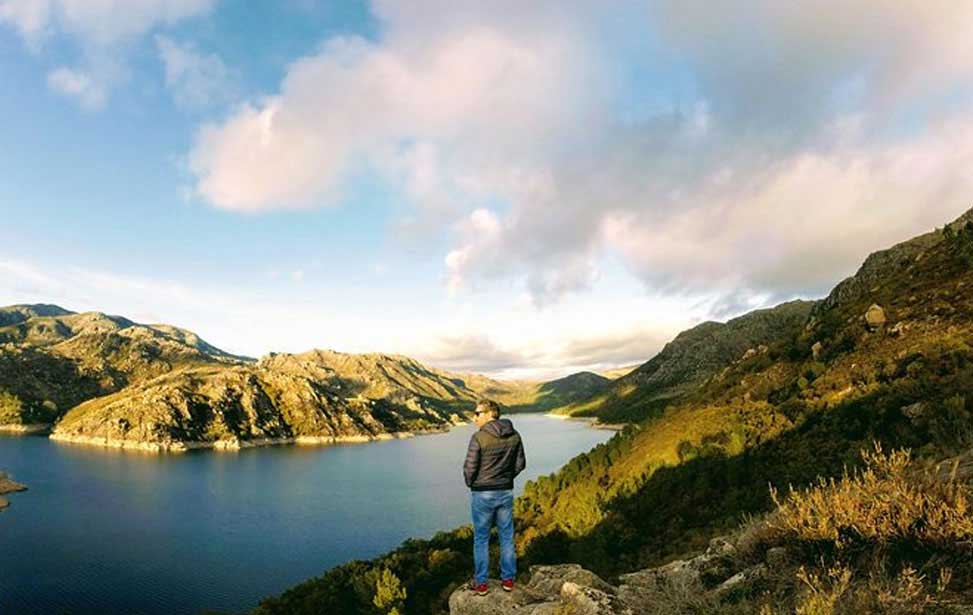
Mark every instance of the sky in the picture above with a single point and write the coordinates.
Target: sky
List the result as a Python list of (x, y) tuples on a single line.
[(523, 189)]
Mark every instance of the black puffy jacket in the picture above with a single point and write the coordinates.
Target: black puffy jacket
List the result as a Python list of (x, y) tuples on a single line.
[(495, 456)]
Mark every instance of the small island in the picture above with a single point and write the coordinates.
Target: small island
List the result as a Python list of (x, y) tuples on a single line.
[(8, 486)]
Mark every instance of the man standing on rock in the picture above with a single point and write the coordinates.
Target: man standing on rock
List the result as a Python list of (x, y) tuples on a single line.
[(494, 457)]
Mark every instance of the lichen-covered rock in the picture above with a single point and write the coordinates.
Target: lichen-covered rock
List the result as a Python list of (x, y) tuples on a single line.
[(548, 580), (875, 317), (742, 581), (700, 572), (582, 600), (497, 602)]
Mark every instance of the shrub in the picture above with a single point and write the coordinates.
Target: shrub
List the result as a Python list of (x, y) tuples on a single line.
[(887, 501)]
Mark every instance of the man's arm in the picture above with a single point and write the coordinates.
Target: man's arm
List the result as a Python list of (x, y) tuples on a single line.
[(472, 464), (521, 462)]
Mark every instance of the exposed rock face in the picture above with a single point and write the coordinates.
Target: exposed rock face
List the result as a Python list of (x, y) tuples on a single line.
[(52, 359), (570, 589), (692, 357), (232, 407), (881, 264), (106, 380)]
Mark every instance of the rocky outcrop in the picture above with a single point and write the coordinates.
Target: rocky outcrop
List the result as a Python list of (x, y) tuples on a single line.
[(875, 317), (8, 486), (52, 359), (880, 265), (709, 578), (93, 378), (689, 360), (236, 407)]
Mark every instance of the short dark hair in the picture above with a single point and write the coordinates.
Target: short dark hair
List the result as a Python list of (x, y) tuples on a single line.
[(488, 405)]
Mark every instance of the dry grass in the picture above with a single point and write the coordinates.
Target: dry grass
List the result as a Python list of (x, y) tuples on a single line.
[(888, 501)]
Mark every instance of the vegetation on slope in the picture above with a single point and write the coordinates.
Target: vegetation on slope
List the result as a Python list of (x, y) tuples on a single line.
[(52, 359), (686, 362), (108, 379), (887, 357)]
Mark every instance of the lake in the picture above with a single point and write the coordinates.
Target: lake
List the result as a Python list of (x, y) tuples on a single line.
[(107, 531)]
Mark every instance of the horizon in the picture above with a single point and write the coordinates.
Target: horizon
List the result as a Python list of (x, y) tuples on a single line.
[(506, 190)]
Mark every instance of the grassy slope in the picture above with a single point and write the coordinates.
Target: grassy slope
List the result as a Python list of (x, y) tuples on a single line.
[(686, 362), (106, 376), (786, 414)]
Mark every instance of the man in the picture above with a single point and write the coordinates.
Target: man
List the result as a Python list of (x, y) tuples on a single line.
[(494, 457)]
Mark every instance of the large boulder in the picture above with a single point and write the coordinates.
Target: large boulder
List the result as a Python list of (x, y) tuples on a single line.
[(548, 580), (875, 317), (496, 602)]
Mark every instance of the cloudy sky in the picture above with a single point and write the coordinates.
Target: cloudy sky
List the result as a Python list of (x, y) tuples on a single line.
[(518, 188)]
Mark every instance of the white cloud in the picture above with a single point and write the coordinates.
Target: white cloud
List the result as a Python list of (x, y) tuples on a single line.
[(77, 84), (102, 29), (501, 339), (98, 22), (468, 105), (197, 80), (478, 96), (31, 17), (805, 221)]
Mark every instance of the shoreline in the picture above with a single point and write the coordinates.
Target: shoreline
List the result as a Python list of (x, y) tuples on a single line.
[(25, 428), (232, 445), (8, 485), (591, 420)]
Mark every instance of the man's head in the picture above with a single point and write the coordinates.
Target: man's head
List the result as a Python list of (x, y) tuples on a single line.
[(486, 411)]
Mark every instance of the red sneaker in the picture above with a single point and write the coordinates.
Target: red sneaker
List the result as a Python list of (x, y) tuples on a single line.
[(480, 590), (508, 585)]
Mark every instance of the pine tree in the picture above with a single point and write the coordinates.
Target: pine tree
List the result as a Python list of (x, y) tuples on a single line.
[(389, 593)]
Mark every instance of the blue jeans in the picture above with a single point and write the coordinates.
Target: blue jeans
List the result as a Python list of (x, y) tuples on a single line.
[(487, 506)]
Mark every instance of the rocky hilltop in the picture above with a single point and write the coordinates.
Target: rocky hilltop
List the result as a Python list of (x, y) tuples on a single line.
[(94, 378), (687, 361), (318, 397), (52, 359)]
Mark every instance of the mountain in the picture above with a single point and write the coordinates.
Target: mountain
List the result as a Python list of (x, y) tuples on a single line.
[(52, 359), (107, 380), (618, 372), (862, 412), (686, 362)]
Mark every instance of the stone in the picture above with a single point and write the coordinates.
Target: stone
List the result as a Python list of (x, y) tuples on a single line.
[(679, 572), (697, 573), (721, 546), (581, 600), (875, 317), (497, 602), (741, 581), (914, 411), (548, 580)]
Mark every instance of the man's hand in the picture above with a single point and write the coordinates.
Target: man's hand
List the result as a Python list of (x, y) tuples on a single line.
[(471, 467)]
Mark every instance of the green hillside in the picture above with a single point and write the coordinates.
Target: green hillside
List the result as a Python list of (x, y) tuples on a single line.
[(686, 362), (887, 357), (103, 379)]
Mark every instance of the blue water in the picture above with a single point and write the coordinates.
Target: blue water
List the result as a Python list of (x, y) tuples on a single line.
[(106, 531)]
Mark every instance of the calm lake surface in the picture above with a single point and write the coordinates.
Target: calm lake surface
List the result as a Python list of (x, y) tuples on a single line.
[(107, 531)]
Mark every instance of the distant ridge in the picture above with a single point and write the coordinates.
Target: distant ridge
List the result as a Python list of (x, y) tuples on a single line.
[(95, 378)]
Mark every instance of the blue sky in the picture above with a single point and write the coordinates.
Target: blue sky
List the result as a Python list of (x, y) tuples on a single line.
[(523, 189)]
